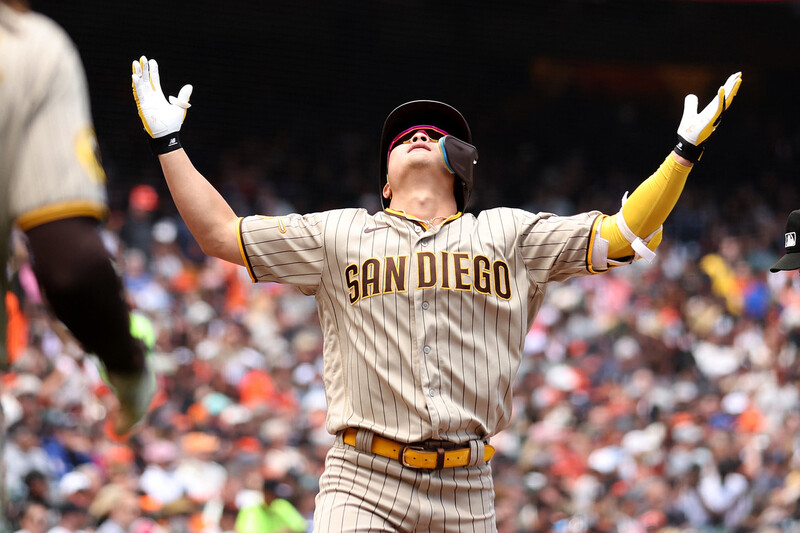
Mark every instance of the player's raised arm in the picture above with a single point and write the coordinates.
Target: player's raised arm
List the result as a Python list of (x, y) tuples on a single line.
[(635, 230), (206, 213)]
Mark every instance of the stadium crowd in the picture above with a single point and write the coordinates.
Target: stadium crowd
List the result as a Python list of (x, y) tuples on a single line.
[(656, 397)]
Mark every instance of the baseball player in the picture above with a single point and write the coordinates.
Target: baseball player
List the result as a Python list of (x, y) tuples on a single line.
[(423, 307), (52, 186)]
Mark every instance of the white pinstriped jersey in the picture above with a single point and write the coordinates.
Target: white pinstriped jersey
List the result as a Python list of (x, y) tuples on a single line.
[(48, 163), (423, 329)]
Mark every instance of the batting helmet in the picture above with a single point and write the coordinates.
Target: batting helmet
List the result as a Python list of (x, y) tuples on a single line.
[(444, 117)]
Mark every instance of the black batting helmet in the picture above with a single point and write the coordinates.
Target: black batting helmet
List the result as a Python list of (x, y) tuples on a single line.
[(431, 113)]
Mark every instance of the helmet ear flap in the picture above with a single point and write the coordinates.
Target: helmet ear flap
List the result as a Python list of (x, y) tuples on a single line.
[(460, 158)]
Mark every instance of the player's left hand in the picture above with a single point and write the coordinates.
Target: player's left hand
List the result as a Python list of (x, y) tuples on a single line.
[(695, 128), (161, 118)]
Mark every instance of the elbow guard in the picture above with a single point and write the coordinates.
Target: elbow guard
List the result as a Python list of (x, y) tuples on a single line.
[(640, 245)]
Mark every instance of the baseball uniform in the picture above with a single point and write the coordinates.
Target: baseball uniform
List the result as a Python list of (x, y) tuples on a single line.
[(49, 169), (423, 334), (423, 323)]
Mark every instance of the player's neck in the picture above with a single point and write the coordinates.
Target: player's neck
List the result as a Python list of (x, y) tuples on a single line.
[(425, 206)]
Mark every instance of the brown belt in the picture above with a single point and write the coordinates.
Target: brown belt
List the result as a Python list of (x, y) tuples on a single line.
[(416, 456)]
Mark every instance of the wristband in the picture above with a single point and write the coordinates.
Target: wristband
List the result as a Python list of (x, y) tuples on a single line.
[(689, 151), (165, 144)]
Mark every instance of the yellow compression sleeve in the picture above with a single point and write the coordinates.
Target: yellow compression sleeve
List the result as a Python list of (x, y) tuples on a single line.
[(647, 208)]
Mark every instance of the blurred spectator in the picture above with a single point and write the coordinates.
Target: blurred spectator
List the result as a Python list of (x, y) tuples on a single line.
[(33, 518), (75, 488), (23, 455), (159, 479), (68, 445), (722, 496), (142, 287), (74, 519), (180, 516), (201, 476), (38, 487), (136, 232), (115, 508), (119, 465), (227, 521), (272, 514)]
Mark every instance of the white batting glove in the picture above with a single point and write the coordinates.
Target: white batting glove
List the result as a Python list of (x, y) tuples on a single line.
[(695, 128), (161, 119)]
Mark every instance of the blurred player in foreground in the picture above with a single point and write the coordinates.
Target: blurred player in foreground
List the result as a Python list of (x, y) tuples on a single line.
[(52, 187), (424, 308)]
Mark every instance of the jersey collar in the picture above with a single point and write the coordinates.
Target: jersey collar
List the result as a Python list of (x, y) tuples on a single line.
[(426, 225)]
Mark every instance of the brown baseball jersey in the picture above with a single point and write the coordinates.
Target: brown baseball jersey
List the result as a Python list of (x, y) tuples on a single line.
[(423, 325), (48, 164)]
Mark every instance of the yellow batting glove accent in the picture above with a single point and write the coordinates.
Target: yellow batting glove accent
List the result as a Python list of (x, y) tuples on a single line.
[(159, 116), (724, 99), (709, 128), (732, 87), (136, 98)]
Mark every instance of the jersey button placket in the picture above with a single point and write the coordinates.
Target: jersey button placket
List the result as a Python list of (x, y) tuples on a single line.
[(427, 327)]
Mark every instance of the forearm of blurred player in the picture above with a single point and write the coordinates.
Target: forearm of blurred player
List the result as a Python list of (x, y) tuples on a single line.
[(648, 207), (208, 216), (85, 291)]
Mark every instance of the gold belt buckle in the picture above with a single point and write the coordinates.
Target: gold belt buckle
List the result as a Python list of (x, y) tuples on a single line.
[(439, 453), (407, 449)]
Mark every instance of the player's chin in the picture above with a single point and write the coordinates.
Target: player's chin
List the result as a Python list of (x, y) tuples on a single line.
[(424, 160)]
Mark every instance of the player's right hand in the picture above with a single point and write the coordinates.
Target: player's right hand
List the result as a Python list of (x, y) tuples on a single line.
[(159, 116), (695, 128)]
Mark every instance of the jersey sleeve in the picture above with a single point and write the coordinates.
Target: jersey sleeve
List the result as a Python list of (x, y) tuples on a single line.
[(286, 249), (555, 248)]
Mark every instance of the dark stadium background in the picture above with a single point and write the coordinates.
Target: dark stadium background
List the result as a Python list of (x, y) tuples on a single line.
[(539, 82)]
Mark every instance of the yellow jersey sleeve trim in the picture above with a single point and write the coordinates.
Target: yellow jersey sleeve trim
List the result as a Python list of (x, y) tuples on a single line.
[(60, 211), (244, 255)]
